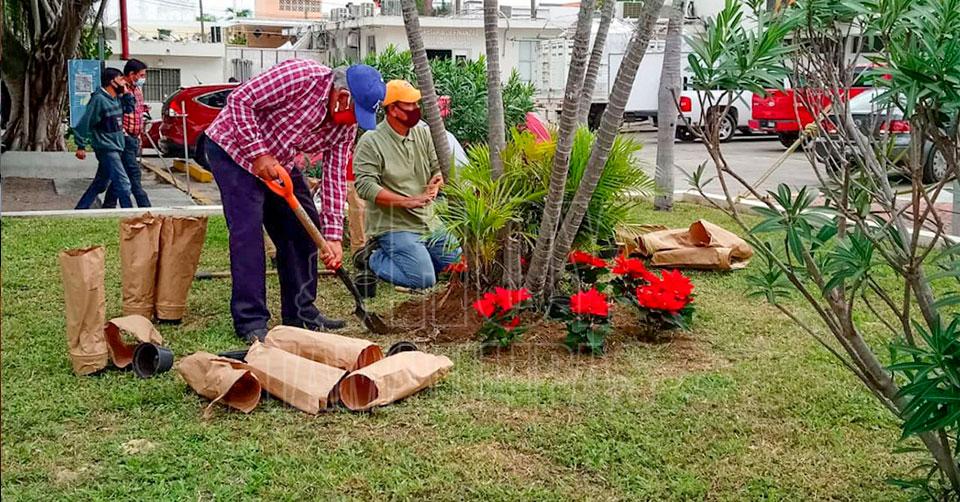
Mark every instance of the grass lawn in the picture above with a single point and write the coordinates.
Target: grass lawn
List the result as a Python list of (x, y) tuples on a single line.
[(744, 407)]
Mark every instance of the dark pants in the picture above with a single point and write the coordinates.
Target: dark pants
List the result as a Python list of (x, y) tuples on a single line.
[(249, 207), (109, 172), (132, 166)]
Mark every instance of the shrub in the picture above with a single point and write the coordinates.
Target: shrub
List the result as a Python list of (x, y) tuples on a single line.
[(588, 321), (500, 310), (586, 267), (666, 302)]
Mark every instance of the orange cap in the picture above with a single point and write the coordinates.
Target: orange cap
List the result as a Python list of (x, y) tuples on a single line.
[(401, 91)]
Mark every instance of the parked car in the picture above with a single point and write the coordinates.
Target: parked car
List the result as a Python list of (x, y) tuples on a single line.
[(736, 120), (150, 136), (201, 103), (884, 124), (781, 113)]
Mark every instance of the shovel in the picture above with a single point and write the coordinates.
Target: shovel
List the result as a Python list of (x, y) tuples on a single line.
[(284, 188)]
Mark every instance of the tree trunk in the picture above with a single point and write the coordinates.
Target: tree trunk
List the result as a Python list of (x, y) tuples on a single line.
[(667, 109), (431, 112), (537, 273), (495, 132), (609, 128), (34, 64), (596, 58)]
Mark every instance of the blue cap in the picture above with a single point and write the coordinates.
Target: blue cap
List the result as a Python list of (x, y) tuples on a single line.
[(367, 89)]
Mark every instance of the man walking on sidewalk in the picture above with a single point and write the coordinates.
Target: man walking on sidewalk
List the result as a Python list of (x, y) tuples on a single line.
[(135, 73), (101, 127), (296, 107)]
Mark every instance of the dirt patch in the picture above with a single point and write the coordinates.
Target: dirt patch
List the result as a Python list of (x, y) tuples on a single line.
[(442, 316), (138, 446), (33, 194)]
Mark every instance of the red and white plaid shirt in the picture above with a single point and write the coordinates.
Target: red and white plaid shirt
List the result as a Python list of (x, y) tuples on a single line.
[(133, 122), (282, 112)]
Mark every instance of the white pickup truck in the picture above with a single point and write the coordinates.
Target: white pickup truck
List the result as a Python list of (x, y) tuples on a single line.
[(736, 119)]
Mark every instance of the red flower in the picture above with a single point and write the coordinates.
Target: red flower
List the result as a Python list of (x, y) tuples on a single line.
[(523, 261), (485, 306), (458, 267), (507, 298), (591, 302), (670, 293), (512, 324), (632, 268), (584, 258)]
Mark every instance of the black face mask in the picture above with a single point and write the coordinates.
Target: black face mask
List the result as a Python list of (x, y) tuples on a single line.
[(119, 89)]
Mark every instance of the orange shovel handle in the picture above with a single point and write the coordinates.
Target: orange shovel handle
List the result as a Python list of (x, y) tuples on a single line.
[(284, 188)]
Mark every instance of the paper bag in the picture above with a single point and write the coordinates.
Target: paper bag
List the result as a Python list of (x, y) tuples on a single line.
[(84, 299), (304, 384), (181, 241), (139, 251), (221, 380), (142, 330), (704, 246), (333, 350), (391, 379)]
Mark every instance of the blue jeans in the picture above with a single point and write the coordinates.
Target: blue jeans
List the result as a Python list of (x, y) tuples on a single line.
[(109, 172), (132, 167), (408, 259)]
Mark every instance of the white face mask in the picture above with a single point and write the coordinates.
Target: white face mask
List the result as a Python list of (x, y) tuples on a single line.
[(140, 82)]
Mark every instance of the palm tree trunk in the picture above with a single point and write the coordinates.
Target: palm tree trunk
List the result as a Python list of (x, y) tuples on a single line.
[(667, 109), (495, 132), (537, 273), (431, 112), (596, 58), (609, 128)]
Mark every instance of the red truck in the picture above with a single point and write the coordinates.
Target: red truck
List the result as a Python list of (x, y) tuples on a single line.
[(778, 111)]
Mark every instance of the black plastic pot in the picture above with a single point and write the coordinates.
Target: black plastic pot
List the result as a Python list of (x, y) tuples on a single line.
[(239, 354), (367, 284), (150, 360), (608, 249), (401, 346), (558, 306)]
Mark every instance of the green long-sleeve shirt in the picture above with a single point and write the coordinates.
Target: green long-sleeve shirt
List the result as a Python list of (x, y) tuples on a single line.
[(401, 164), (101, 125)]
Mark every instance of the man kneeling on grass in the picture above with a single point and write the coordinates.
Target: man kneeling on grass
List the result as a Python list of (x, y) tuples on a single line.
[(397, 171)]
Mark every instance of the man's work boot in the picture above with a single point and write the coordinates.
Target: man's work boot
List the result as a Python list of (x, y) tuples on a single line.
[(256, 334), (321, 323), (361, 259)]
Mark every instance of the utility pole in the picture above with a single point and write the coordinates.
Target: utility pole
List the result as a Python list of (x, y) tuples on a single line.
[(203, 29), (124, 39), (533, 9)]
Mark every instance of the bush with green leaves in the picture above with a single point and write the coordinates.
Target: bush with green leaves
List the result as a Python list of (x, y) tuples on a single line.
[(884, 294), (466, 83)]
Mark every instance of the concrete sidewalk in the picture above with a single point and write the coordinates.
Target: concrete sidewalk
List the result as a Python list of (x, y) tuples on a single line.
[(56, 180)]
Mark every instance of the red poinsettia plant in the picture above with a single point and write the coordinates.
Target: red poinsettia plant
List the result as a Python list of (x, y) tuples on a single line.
[(587, 267), (588, 321), (500, 310), (628, 275), (666, 301)]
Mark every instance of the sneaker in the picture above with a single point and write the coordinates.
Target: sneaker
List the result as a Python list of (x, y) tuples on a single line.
[(257, 334), (361, 259), (321, 323)]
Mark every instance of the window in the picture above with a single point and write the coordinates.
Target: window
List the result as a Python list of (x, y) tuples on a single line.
[(527, 59), (161, 83), (300, 5), (215, 99), (439, 54), (371, 44)]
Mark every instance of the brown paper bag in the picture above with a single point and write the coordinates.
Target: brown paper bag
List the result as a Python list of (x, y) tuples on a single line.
[(704, 245), (139, 251), (84, 300), (391, 379), (181, 241), (304, 384), (333, 350), (221, 379), (142, 330)]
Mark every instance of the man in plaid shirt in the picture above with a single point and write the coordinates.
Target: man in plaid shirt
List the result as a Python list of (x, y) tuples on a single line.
[(296, 107), (135, 74)]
